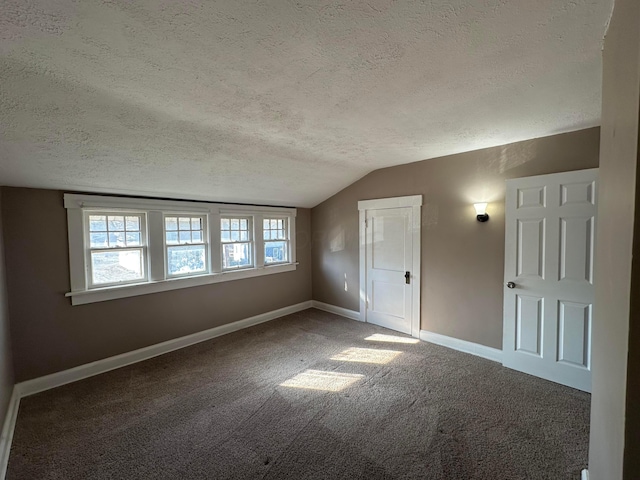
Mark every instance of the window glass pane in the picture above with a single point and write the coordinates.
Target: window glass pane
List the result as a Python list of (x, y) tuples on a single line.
[(116, 266), (184, 223), (236, 255), (225, 236), (235, 224), (116, 223), (235, 236), (171, 223), (224, 224), (99, 240), (243, 224), (133, 239), (266, 234), (195, 224), (275, 252), (274, 224), (185, 236), (97, 223), (186, 259), (265, 224), (172, 237), (244, 236), (116, 239), (196, 236), (133, 223)]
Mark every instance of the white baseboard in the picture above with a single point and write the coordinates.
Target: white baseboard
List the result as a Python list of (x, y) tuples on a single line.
[(584, 475), (344, 312), (7, 431), (462, 345), (58, 379)]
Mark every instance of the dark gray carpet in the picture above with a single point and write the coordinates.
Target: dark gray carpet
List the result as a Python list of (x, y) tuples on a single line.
[(217, 410)]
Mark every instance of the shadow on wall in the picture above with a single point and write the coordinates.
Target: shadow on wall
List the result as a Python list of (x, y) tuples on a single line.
[(462, 260)]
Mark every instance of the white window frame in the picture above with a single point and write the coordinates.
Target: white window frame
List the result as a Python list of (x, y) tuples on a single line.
[(154, 212), (287, 240), (205, 242), (88, 250), (251, 241)]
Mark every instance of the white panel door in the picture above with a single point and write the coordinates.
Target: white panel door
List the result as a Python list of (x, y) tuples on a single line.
[(389, 265), (548, 293)]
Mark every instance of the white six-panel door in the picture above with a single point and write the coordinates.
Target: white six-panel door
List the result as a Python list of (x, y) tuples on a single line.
[(548, 292)]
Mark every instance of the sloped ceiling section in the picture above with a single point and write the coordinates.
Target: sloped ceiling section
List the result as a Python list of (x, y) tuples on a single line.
[(281, 102)]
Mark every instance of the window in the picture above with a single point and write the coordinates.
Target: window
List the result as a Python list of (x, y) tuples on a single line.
[(123, 247), (185, 244), (276, 240), (116, 252), (235, 237)]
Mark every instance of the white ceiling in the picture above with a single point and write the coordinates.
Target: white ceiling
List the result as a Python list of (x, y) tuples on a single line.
[(281, 102)]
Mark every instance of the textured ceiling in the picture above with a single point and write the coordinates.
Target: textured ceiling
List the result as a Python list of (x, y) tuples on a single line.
[(281, 102)]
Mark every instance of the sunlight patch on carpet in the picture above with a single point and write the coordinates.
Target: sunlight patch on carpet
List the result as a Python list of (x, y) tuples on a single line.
[(366, 355), (381, 337), (321, 380)]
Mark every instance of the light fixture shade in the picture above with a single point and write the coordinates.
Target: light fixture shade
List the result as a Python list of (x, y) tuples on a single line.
[(481, 208), (481, 211)]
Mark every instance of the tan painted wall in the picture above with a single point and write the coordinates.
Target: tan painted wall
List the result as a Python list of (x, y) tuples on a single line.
[(6, 362), (462, 259), (618, 173), (50, 335)]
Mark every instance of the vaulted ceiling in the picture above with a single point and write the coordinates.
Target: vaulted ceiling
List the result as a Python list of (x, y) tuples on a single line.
[(281, 102)]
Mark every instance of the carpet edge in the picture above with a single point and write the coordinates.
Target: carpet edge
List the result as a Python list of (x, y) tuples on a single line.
[(476, 349), (8, 428), (47, 382)]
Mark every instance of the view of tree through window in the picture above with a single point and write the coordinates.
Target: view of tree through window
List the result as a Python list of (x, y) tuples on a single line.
[(186, 249), (111, 238)]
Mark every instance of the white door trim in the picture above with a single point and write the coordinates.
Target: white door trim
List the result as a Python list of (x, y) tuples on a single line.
[(415, 202)]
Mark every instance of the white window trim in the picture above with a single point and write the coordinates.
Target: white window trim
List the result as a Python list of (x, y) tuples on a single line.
[(157, 279), (290, 235), (205, 243), (142, 248), (251, 219)]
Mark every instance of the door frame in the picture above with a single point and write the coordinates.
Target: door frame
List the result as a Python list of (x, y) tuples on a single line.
[(415, 202)]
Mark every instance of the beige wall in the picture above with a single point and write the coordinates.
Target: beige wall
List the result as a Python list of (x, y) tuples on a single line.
[(614, 241), (50, 335), (462, 259), (6, 363)]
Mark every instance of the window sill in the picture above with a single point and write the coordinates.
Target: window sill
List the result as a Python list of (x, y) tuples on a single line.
[(132, 290)]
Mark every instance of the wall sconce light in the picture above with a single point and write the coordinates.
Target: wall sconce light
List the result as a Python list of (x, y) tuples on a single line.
[(481, 212)]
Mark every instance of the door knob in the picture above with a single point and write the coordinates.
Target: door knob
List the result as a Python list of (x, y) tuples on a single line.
[(511, 285), (407, 277)]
